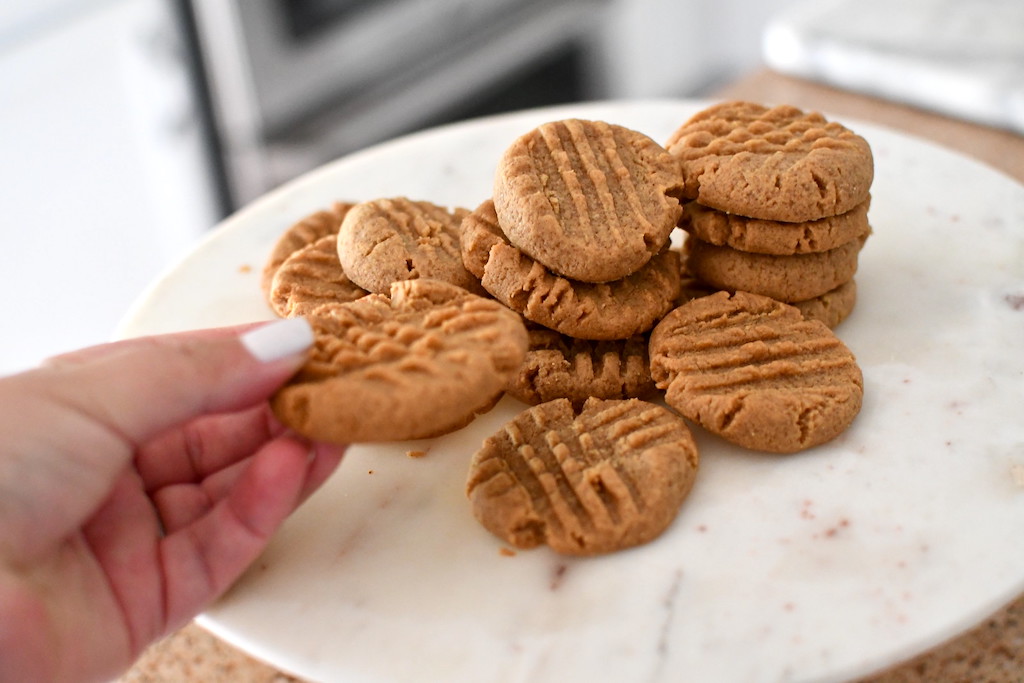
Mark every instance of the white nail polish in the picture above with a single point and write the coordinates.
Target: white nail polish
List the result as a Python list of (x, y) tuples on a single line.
[(278, 339)]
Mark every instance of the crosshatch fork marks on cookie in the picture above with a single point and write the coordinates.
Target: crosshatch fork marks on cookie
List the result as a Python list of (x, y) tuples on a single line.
[(558, 366), (586, 483), (610, 192), (589, 166), (419, 363), (746, 354), (753, 371), (344, 344)]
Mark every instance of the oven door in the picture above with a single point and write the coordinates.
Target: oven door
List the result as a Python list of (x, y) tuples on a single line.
[(291, 79)]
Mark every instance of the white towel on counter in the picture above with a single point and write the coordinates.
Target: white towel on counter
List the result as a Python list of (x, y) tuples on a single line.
[(960, 58)]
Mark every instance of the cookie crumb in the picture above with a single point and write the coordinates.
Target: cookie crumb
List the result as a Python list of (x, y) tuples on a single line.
[(245, 268), (369, 471), (506, 552), (416, 454)]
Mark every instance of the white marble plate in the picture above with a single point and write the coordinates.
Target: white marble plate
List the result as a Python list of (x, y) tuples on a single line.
[(818, 566)]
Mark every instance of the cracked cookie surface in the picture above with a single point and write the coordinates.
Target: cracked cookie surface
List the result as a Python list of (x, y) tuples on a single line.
[(776, 163), (311, 277), (422, 362), (610, 476), (590, 200), (612, 310), (753, 371), (390, 239), (300, 234)]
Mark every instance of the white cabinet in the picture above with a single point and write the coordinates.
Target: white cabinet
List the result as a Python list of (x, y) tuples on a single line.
[(103, 178)]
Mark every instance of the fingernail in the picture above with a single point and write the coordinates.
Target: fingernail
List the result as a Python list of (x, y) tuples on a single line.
[(278, 339)]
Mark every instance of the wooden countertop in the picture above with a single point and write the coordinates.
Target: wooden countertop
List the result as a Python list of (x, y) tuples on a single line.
[(992, 652)]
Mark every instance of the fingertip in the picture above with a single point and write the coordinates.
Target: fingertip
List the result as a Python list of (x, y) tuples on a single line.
[(278, 340)]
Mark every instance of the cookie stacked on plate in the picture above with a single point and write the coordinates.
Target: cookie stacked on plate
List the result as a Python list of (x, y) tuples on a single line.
[(779, 204), (576, 240), (353, 249)]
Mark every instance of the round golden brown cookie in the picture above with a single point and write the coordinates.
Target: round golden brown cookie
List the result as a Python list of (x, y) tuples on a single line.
[(775, 237), (310, 278), (608, 478), (421, 363), (591, 201), (690, 286), (557, 366), (780, 164), (832, 307), (386, 240), (753, 371), (787, 278), (613, 310), (300, 234)]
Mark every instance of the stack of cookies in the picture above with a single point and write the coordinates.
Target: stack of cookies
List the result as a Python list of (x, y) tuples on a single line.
[(779, 204), (576, 240)]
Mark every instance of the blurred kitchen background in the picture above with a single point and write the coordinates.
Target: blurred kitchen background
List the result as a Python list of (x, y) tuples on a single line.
[(128, 128)]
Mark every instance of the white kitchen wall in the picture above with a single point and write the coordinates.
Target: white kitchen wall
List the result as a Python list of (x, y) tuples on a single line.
[(660, 48), (102, 175)]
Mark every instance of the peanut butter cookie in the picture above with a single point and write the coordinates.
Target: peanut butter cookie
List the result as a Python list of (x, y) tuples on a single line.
[(797, 277), (386, 240), (589, 200), (300, 234), (778, 164), (832, 307), (775, 237), (610, 477), (310, 278), (421, 363), (753, 371), (613, 310), (557, 366)]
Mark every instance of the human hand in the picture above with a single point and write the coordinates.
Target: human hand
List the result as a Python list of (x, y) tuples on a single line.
[(138, 480)]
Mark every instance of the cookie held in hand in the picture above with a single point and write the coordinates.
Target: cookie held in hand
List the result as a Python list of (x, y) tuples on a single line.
[(421, 363)]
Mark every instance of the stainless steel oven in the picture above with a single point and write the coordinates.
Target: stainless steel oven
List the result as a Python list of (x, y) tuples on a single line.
[(290, 84)]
